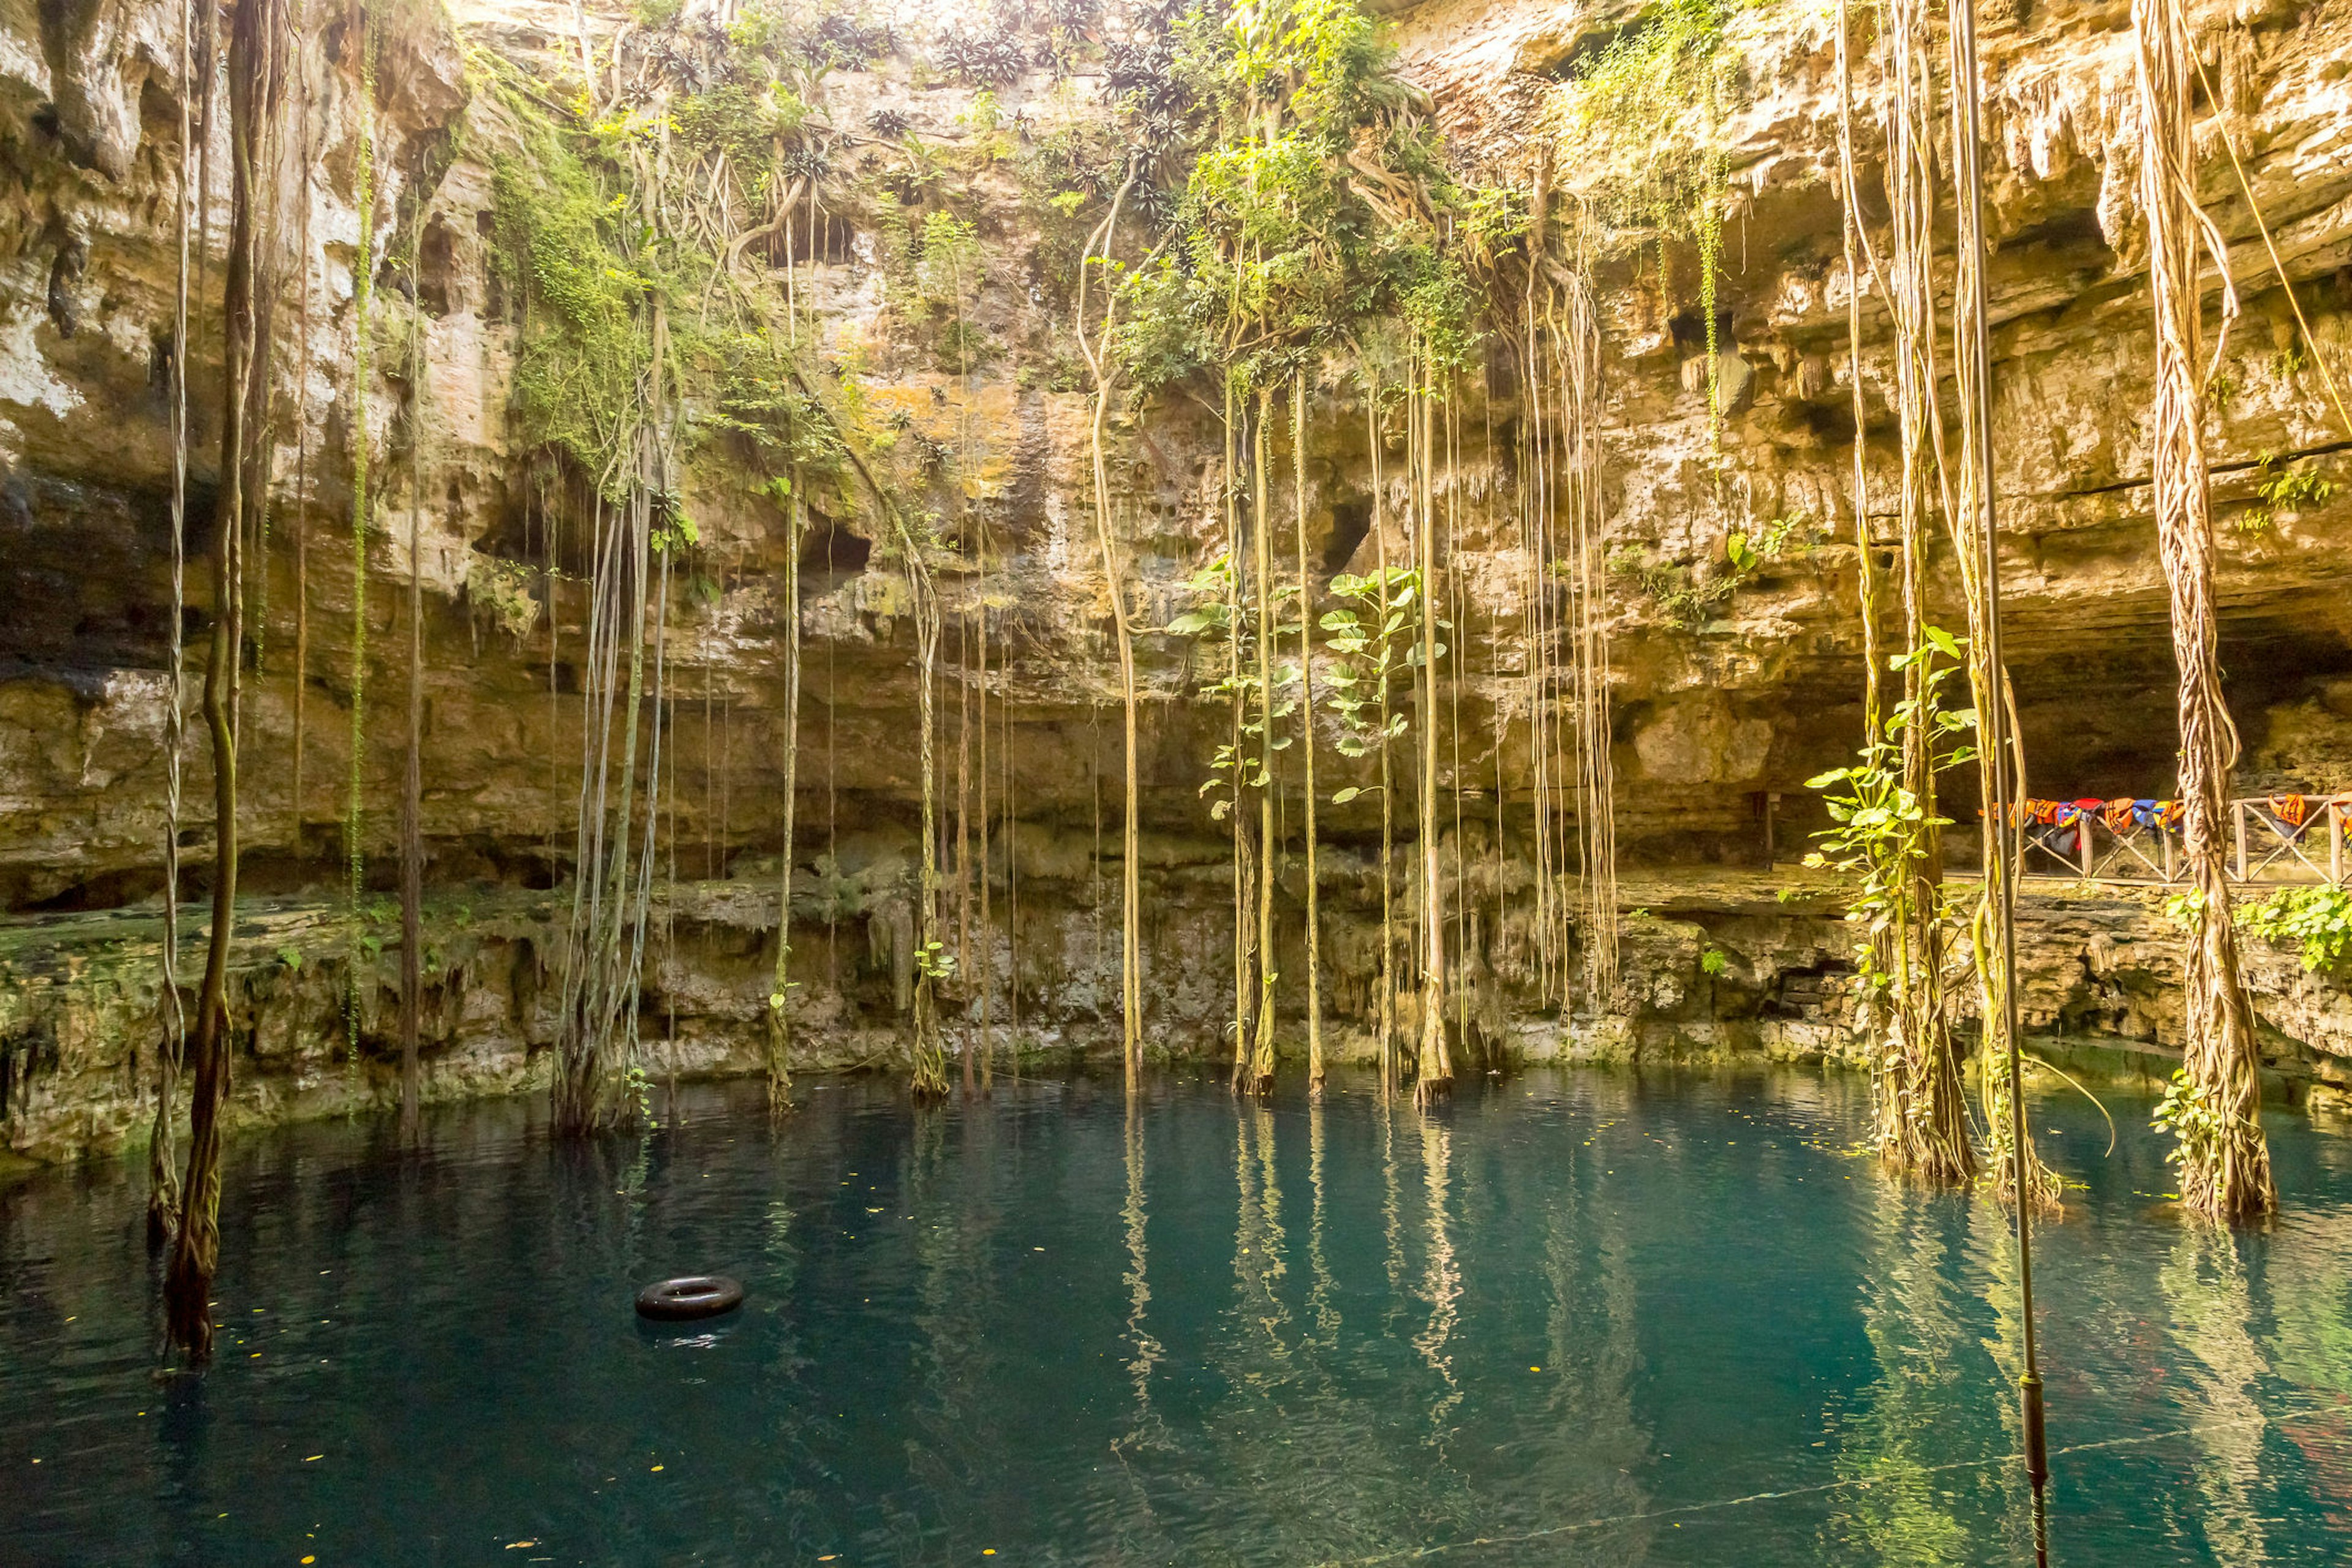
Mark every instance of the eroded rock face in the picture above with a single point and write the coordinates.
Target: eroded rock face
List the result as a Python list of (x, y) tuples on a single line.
[(1716, 707)]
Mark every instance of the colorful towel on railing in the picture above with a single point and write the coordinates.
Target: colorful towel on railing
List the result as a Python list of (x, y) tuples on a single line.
[(2120, 815)]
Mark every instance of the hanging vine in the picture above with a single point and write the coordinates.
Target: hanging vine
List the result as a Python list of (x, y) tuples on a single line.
[(257, 76), (163, 1177), (1314, 208), (2214, 1105)]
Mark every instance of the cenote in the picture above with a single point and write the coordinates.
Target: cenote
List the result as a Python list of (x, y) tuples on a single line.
[(1579, 1316), (1583, 668)]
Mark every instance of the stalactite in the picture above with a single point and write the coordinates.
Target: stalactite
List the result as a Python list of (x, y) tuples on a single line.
[(2215, 1106)]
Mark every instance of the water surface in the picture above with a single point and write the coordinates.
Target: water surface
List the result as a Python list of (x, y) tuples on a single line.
[(1570, 1318)]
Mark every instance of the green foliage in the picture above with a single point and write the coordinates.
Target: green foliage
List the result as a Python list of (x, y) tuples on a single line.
[(563, 241), (1685, 600), (1314, 202), (672, 528), (2195, 1126), (2318, 921), (2281, 490), (949, 266), (1214, 590), (1881, 828), (748, 122), (1376, 633), (1714, 960), (1642, 129), (758, 399), (637, 1095)]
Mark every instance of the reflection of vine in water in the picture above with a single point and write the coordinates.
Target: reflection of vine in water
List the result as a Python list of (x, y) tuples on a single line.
[(1441, 1284), (1140, 1534), (949, 1218), (2210, 1305), (1591, 1343), (1135, 1220), (1322, 1311), (1892, 1444), (1259, 1242)]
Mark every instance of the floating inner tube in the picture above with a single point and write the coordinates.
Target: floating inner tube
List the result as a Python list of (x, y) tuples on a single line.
[(692, 1295)]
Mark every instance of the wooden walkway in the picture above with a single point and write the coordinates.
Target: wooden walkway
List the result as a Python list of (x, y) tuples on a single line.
[(2273, 840)]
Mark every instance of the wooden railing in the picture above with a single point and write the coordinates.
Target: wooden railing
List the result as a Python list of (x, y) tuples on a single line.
[(2265, 846)]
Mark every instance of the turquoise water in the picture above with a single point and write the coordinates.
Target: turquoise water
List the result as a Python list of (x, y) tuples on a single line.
[(1570, 1318)]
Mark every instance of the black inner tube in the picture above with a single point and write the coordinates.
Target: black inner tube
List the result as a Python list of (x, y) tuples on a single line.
[(691, 1295)]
